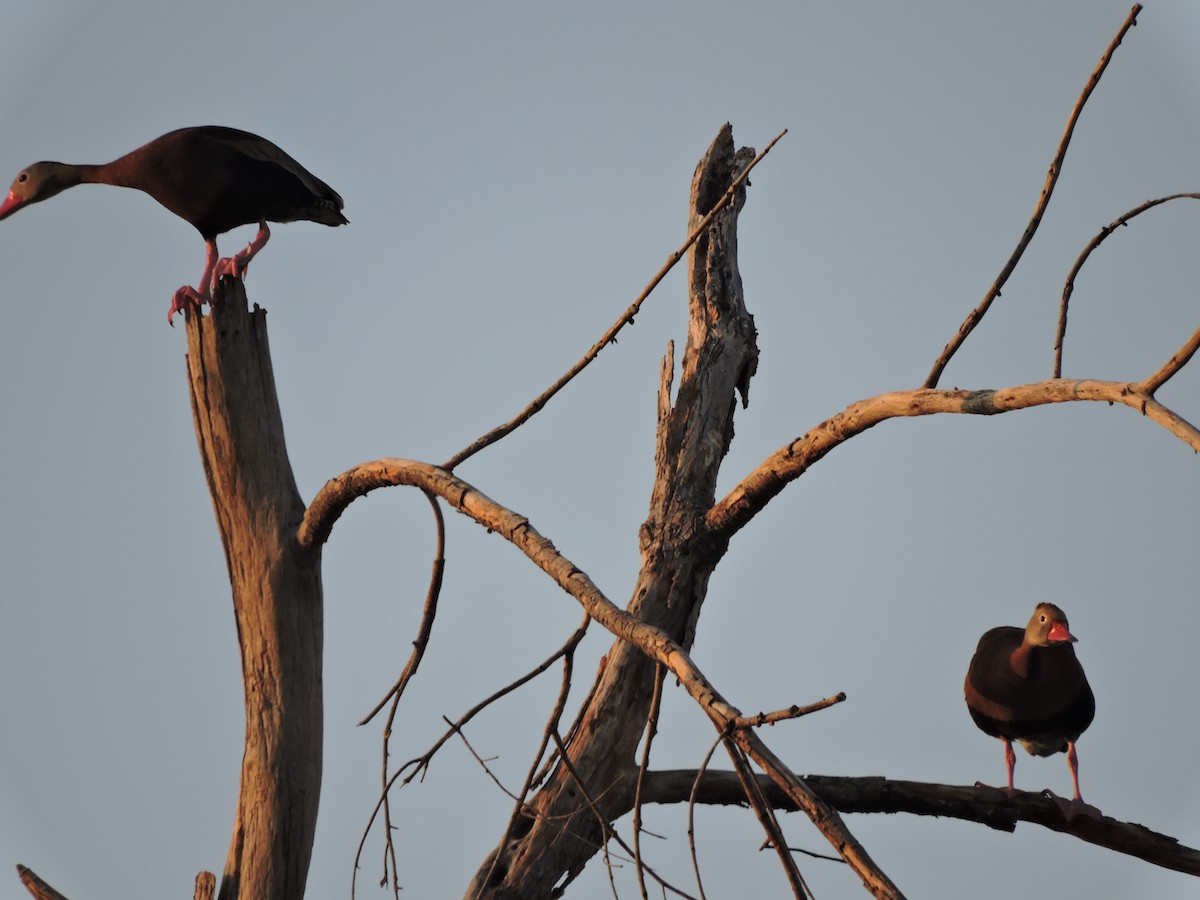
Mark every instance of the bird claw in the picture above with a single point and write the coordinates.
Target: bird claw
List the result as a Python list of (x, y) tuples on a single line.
[(1072, 808), (231, 267), (184, 297), (1008, 792)]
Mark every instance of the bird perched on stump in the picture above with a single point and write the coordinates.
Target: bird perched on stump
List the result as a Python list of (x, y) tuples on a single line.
[(1028, 686), (213, 177)]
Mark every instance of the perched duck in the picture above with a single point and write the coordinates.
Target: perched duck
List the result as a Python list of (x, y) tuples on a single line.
[(213, 177), (1028, 686)]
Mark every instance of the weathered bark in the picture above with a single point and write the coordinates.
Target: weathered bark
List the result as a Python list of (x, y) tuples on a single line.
[(276, 597), (693, 438)]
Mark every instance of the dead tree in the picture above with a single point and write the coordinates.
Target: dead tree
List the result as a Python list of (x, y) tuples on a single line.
[(586, 774)]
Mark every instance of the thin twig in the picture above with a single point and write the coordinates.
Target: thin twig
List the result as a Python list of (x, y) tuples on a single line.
[(610, 335), (766, 845), (976, 315), (574, 729), (651, 730), (427, 617), (418, 765), (691, 812), (520, 808), (1069, 285), (766, 816), (792, 712), (606, 829)]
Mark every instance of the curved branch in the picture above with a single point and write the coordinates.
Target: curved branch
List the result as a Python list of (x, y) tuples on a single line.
[(790, 462), (424, 630), (1069, 284), (987, 806), (976, 315), (340, 492)]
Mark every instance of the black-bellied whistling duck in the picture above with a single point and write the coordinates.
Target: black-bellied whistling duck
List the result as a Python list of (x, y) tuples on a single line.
[(216, 178), (1028, 686)]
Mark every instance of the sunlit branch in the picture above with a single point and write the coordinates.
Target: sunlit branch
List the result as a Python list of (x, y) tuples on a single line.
[(793, 460)]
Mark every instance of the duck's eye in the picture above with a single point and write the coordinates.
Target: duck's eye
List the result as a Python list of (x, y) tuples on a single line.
[(1043, 618), (24, 176)]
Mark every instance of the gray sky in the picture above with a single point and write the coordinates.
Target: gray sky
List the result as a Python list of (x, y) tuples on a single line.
[(514, 173)]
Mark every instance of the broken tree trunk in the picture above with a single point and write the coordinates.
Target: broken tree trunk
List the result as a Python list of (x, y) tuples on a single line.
[(551, 847), (276, 596)]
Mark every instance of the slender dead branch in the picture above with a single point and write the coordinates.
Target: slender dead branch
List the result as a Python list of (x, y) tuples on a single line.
[(793, 460), (792, 712), (753, 792), (607, 830), (1069, 285), (417, 766), (428, 613), (520, 809), (610, 335), (824, 816), (986, 806), (1039, 210), (651, 730), (691, 811)]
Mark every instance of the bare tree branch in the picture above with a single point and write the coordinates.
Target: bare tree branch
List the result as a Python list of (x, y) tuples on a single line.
[(792, 712), (976, 315), (790, 462), (1069, 285), (428, 613), (986, 806), (651, 731), (752, 791)]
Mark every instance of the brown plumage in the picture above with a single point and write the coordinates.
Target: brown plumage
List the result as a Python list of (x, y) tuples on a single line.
[(1028, 686), (216, 178)]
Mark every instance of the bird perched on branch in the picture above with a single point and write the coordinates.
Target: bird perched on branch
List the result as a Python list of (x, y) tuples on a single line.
[(213, 177), (1028, 686)]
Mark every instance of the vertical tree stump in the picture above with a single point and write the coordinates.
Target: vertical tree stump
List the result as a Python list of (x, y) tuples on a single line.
[(276, 596)]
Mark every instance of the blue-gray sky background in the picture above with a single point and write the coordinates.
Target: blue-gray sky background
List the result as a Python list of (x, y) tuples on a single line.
[(514, 173)]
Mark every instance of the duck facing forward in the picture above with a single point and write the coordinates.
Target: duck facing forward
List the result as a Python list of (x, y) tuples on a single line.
[(1028, 686), (216, 178)]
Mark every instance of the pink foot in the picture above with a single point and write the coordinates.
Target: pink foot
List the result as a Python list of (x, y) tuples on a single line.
[(1072, 808), (186, 296), (1008, 792), (236, 266)]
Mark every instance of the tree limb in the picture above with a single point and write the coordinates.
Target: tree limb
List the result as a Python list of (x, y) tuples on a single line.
[(791, 461), (987, 806)]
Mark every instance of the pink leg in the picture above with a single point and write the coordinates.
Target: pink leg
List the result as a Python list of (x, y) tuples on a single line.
[(1075, 807), (236, 266), (195, 296), (1010, 762)]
